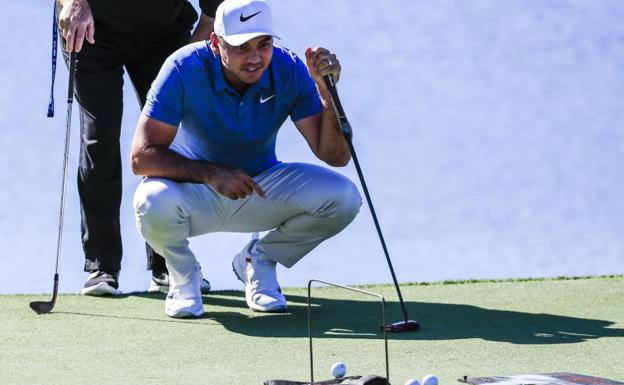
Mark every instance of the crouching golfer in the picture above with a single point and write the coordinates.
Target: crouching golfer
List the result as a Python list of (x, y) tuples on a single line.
[(206, 145)]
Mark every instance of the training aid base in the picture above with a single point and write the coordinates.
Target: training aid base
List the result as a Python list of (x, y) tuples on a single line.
[(352, 380)]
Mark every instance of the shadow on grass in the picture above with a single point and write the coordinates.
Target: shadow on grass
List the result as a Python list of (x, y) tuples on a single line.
[(339, 318)]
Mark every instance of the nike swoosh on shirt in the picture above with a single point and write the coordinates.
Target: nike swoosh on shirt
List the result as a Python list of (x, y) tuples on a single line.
[(245, 18), (263, 100)]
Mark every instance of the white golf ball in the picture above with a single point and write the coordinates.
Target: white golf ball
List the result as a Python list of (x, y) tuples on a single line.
[(430, 379), (412, 381), (338, 370)]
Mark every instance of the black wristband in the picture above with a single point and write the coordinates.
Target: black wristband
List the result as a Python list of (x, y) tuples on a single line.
[(209, 7)]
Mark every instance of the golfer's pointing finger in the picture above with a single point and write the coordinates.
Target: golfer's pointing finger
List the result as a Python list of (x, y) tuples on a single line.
[(252, 183)]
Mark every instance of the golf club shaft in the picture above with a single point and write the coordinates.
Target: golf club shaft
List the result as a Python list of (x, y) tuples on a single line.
[(45, 307), (70, 99), (348, 134)]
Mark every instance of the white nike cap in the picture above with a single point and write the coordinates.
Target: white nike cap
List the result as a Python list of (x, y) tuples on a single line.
[(238, 21)]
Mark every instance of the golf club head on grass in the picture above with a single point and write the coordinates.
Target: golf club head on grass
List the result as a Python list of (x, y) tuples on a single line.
[(42, 307), (402, 326), (45, 307)]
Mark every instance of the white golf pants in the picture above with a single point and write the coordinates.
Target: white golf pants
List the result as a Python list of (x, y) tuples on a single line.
[(303, 205)]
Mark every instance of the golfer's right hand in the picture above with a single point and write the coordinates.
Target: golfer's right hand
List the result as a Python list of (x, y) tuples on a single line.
[(76, 23), (234, 183)]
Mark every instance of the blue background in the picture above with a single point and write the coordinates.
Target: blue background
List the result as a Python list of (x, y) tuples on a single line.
[(490, 133)]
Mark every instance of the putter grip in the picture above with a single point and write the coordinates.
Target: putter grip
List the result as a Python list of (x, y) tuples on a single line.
[(340, 114)]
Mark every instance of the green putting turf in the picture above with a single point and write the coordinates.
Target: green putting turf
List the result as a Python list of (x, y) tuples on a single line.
[(475, 329)]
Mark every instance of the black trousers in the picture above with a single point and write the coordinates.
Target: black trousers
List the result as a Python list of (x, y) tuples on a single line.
[(98, 89)]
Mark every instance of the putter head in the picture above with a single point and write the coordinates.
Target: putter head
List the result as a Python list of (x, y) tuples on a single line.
[(402, 326), (42, 307)]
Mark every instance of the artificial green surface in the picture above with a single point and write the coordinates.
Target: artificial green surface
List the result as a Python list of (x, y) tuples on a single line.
[(475, 329)]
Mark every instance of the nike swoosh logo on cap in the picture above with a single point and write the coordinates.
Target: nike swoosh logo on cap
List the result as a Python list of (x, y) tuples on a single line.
[(263, 100), (245, 18)]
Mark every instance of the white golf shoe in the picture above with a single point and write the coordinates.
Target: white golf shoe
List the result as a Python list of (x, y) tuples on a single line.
[(262, 291), (185, 301)]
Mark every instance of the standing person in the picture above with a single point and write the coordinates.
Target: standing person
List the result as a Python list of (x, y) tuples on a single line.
[(206, 143), (135, 35)]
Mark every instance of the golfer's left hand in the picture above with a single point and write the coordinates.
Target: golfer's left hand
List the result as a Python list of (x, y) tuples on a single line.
[(321, 62)]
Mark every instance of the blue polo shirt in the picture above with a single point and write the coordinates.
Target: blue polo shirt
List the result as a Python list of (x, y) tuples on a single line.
[(216, 123)]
